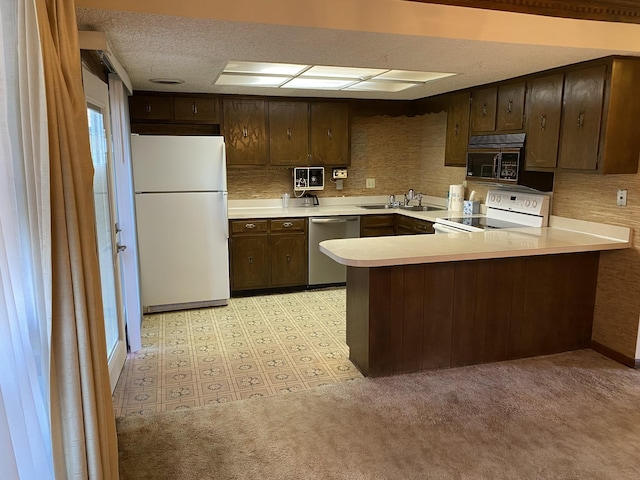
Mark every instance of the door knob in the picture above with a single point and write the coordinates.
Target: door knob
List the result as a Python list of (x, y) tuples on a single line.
[(121, 248)]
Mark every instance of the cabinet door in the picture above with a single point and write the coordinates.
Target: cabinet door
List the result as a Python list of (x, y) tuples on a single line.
[(455, 154), (483, 109), (245, 131), (288, 133), (377, 225), (288, 259), (196, 109), (510, 108), (150, 107), (250, 262), (582, 116), (544, 108), (329, 134), (423, 227)]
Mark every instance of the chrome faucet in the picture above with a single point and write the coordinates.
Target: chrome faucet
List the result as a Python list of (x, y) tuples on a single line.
[(392, 201), (410, 195)]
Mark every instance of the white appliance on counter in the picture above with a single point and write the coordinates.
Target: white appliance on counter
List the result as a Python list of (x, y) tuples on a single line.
[(505, 209), (323, 270), (180, 185)]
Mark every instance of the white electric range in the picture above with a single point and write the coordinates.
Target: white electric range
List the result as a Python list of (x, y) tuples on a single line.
[(505, 209)]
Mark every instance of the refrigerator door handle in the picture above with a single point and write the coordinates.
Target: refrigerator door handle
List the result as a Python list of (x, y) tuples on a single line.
[(225, 211)]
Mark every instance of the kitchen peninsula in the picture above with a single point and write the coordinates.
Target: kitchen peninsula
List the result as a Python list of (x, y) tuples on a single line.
[(441, 301)]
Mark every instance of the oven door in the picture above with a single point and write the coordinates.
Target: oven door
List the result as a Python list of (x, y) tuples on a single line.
[(482, 163)]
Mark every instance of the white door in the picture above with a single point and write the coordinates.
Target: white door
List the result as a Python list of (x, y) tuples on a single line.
[(97, 95)]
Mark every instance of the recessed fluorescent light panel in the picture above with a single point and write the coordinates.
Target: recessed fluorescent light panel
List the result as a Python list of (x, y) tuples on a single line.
[(319, 77)]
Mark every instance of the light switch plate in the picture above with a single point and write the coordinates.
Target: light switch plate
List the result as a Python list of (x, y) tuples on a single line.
[(371, 183)]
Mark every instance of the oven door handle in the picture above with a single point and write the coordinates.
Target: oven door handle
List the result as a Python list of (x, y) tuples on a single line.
[(496, 162), (334, 220)]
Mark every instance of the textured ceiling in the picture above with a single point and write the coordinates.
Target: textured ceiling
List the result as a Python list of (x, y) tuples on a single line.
[(197, 49)]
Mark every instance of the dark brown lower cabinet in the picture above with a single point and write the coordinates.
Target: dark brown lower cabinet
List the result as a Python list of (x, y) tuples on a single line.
[(380, 225), (250, 262), (288, 259), (377, 225), (409, 318), (412, 226), (268, 253)]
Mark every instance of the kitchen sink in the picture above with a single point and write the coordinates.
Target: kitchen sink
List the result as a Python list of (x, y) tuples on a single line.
[(375, 206), (420, 208)]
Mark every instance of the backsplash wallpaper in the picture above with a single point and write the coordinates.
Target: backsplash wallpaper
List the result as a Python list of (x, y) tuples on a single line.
[(408, 152), (398, 152)]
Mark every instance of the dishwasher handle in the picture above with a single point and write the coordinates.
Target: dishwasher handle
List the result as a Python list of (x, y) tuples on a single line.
[(334, 220)]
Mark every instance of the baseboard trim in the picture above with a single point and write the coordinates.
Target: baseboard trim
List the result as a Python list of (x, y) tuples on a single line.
[(617, 356)]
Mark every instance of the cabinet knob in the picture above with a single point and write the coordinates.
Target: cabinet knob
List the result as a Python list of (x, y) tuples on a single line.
[(194, 108), (250, 260), (147, 107), (245, 133), (329, 134), (287, 224), (250, 225), (484, 109), (581, 119), (543, 121), (510, 106), (288, 133), (288, 258), (456, 129)]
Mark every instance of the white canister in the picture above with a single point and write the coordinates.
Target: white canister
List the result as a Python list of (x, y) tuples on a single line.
[(456, 198), (285, 200)]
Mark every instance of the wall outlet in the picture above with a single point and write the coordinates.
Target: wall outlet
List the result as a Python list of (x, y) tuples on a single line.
[(339, 185), (622, 198), (371, 183), (337, 173)]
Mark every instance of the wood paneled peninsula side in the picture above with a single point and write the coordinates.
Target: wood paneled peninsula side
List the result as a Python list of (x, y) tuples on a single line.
[(439, 301)]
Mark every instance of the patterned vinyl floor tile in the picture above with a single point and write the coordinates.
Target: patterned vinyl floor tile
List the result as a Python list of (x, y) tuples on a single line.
[(255, 346)]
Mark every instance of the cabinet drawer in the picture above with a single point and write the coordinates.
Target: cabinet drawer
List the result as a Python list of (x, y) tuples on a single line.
[(288, 225), (249, 226), (196, 109)]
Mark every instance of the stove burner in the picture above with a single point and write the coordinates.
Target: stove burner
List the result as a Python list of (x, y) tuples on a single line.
[(483, 223)]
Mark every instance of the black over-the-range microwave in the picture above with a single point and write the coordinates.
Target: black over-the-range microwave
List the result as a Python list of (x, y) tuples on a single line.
[(500, 159)]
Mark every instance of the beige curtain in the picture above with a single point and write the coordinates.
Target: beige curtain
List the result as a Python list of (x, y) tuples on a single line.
[(82, 419)]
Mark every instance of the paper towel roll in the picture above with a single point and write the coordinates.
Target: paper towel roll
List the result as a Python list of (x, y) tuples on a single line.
[(456, 198)]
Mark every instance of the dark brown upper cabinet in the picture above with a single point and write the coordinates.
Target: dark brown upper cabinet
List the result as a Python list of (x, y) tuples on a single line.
[(483, 109), (455, 154), (582, 117), (288, 133), (245, 131), (329, 134), (544, 111), (151, 107), (599, 131), (195, 109), (308, 133), (510, 107)]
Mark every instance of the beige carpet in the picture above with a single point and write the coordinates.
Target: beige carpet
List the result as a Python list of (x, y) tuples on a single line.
[(568, 416)]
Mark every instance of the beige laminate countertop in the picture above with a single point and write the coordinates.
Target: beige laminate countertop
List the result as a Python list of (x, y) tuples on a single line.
[(562, 236), (241, 213)]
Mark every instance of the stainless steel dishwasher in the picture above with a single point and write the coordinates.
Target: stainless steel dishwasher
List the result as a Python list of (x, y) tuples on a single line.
[(322, 269)]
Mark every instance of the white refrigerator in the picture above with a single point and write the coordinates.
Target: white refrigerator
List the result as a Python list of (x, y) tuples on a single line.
[(180, 185)]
